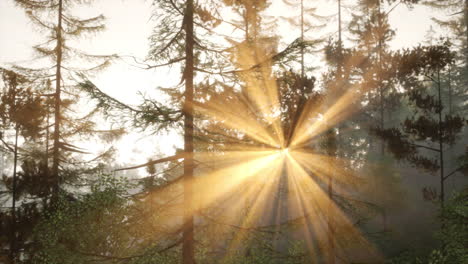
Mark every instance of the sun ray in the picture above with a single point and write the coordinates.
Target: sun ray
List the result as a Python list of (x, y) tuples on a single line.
[(299, 204), (335, 114), (312, 202), (258, 201), (319, 164), (327, 206), (261, 87), (252, 176), (238, 121), (225, 180), (337, 110)]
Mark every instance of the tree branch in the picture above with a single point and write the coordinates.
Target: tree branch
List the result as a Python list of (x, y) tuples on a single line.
[(152, 162), (421, 146), (454, 171)]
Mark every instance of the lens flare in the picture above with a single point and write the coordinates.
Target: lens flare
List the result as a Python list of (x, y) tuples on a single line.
[(285, 151), (246, 185)]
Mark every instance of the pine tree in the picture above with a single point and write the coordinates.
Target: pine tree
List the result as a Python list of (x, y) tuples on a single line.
[(55, 18), (173, 42), (188, 247), (457, 21), (365, 75), (39, 184), (23, 111), (428, 128)]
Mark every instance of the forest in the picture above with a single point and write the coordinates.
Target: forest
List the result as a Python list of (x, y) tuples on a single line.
[(234, 131)]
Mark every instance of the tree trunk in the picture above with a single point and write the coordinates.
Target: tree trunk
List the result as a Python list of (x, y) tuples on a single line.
[(466, 32), (188, 255), (58, 76), (340, 43), (330, 215), (380, 81), (46, 158), (441, 144), (302, 42), (13, 205), (332, 149)]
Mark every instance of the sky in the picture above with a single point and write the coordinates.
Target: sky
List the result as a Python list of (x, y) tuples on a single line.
[(127, 29), (128, 26)]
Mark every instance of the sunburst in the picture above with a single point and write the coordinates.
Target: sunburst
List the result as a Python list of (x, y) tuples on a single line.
[(259, 179)]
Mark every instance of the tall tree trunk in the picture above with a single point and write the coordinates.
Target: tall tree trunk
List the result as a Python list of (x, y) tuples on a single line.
[(340, 43), (188, 255), (332, 148), (46, 158), (302, 43), (58, 76), (13, 205), (380, 81), (441, 144), (466, 32), (450, 89), (302, 82), (330, 214), (247, 24)]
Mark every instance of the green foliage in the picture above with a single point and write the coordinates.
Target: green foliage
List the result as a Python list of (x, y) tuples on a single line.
[(149, 114), (21, 106), (74, 230), (453, 236), (426, 125), (261, 252)]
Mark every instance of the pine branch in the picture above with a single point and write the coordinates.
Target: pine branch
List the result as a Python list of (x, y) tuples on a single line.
[(153, 162), (149, 66), (456, 170), (274, 58), (98, 94), (422, 146), (7, 145)]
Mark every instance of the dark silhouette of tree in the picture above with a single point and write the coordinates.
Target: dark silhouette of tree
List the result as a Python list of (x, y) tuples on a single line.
[(428, 127), (188, 244), (22, 111)]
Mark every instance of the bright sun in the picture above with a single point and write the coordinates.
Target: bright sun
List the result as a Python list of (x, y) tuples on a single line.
[(257, 183), (285, 151), (259, 173)]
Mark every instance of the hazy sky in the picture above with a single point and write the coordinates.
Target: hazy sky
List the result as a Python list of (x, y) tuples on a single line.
[(128, 27), (127, 31)]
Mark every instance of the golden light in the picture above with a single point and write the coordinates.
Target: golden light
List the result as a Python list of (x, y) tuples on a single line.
[(249, 181), (285, 151)]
